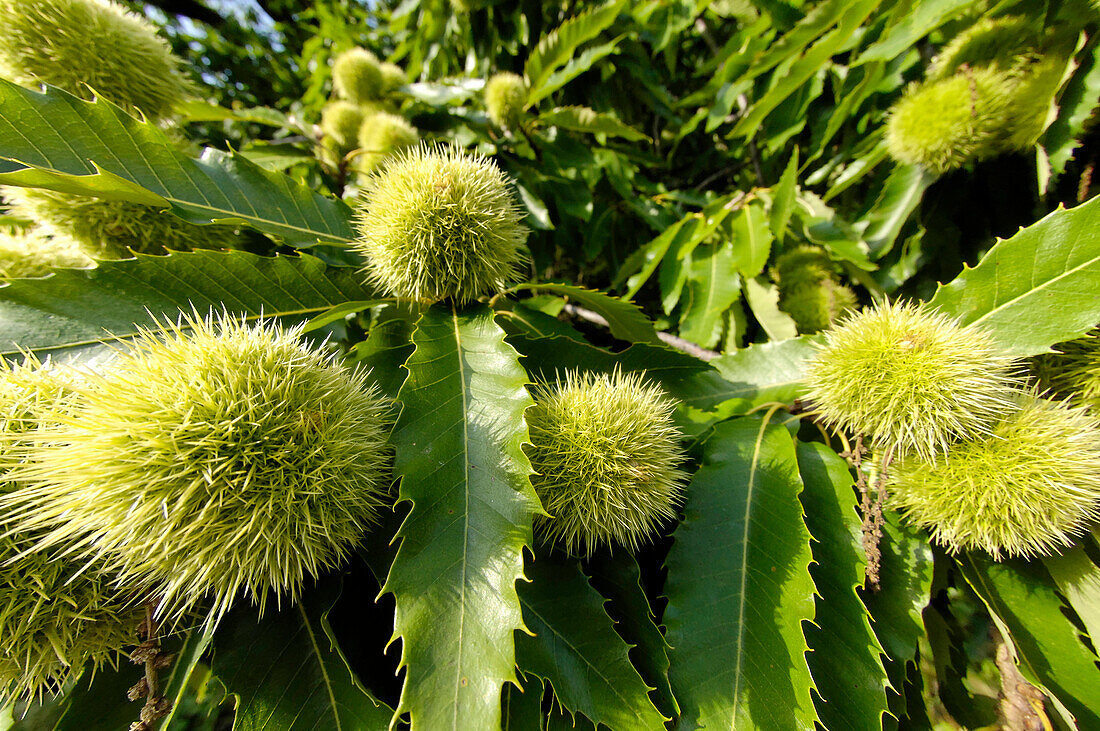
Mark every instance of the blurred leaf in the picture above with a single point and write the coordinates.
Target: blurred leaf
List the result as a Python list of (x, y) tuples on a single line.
[(67, 138), (1047, 650), (763, 299), (446, 93), (577, 65), (458, 455), (739, 586), (924, 18), (576, 650), (845, 663), (315, 690), (712, 287), (1076, 105), (79, 307), (1078, 579), (752, 236), (783, 200), (537, 214), (900, 196), (557, 47), (584, 119), (1037, 288)]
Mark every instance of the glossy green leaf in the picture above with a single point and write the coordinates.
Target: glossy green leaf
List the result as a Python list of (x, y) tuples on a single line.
[(624, 319), (462, 468), (712, 287), (339, 312), (847, 670), (924, 18), (585, 119), (689, 380), (905, 586), (766, 372), (1076, 105), (1078, 579), (1048, 650), (752, 236), (805, 67), (763, 299), (285, 672), (557, 47), (522, 709), (900, 196), (79, 307), (739, 586), (577, 65), (783, 199), (575, 648), (1037, 288), (617, 576), (64, 138)]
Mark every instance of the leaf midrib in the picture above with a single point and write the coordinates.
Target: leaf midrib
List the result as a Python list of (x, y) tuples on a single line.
[(321, 666), (466, 512), (1030, 292), (744, 574), (227, 214)]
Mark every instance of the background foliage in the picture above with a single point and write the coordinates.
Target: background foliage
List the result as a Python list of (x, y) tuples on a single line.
[(670, 152)]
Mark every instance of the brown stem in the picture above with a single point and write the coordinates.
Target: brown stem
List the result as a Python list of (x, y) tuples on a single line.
[(149, 654), (678, 343), (1020, 705)]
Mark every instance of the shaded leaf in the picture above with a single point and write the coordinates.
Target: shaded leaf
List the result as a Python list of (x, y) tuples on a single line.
[(739, 586), (900, 196), (1037, 288), (752, 238), (924, 18), (624, 319), (783, 199), (767, 371), (1048, 652), (847, 670), (66, 137), (585, 119), (78, 307), (575, 648), (557, 47), (1078, 578), (462, 468), (521, 710), (285, 671), (577, 65), (618, 577), (763, 299), (712, 287), (1076, 104)]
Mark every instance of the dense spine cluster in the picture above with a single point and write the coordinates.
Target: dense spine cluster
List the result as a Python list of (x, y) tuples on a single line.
[(606, 456)]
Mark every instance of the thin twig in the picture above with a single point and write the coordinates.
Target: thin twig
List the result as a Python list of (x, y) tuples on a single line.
[(149, 653), (680, 344)]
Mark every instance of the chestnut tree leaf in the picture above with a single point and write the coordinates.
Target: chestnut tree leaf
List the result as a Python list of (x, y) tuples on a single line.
[(739, 586), (462, 468), (286, 671), (96, 148), (1037, 288), (847, 669), (575, 648), (76, 308)]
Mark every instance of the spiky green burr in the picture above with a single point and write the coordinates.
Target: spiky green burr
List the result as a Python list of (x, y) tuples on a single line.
[(54, 618), (505, 98), (393, 77), (606, 457), (108, 229), (31, 254), (810, 290), (215, 459), (997, 42), (910, 379), (86, 45), (437, 222), (340, 121), (1073, 370), (943, 125), (1023, 490), (357, 76), (380, 135)]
